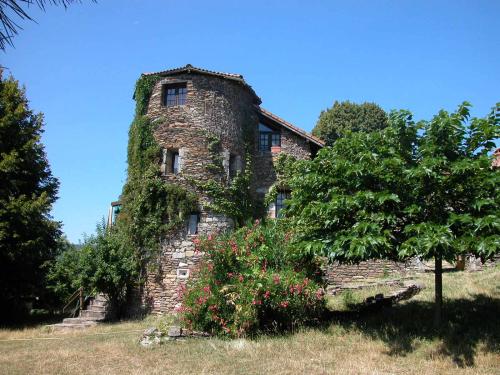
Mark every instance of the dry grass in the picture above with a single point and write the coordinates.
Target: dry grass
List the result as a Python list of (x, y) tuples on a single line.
[(399, 340)]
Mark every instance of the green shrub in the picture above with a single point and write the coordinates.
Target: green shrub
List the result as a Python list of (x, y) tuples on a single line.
[(251, 280)]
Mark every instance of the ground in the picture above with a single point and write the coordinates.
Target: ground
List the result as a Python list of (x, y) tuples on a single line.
[(399, 340)]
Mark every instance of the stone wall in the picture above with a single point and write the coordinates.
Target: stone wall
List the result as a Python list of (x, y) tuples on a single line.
[(264, 170), (214, 106), (345, 275)]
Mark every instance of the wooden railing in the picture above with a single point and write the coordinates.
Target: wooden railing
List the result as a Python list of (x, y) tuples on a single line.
[(77, 295)]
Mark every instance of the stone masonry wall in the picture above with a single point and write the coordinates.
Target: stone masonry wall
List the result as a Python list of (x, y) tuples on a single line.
[(214, 106), (264, 170), (344, 275)]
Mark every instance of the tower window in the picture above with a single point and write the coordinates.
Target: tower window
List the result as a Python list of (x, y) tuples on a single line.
[(175, 162), (175, 94), (194, 219), (170, 161), (280, 202)]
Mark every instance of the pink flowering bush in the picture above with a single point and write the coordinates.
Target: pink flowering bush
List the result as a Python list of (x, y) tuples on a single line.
[(253, 280)]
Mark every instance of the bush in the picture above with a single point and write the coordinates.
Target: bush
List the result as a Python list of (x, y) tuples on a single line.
[(251, 280), (105, 263)]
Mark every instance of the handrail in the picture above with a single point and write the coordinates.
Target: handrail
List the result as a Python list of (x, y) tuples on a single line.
[(77, 294)]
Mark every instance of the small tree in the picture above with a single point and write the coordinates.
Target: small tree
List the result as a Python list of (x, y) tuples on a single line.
[(347, 116), (425, 190), (105, 263), (28, 235)]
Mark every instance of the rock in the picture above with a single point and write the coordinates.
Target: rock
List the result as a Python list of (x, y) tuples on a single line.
[(151, 336), (150, 331), (174, 331)]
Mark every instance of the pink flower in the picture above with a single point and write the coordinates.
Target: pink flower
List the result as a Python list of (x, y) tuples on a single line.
[(306, 281), (284, 304), (229, 274), (240, 278), (276, 279), (210, 237), (267, 294), (319, 293), (206, 289)]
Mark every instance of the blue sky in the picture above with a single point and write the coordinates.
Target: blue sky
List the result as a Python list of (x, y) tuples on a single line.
[(80, 66)]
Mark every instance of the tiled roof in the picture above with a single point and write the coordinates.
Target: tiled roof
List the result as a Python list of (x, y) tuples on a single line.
[(192, 69), (291, 127)]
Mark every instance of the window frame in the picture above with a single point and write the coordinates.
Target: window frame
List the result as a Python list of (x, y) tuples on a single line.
[(179, 95), (268, 138), (281, 197), (196, 216)]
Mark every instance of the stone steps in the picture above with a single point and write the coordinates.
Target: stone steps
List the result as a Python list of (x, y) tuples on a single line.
[(67, 326), (95, 312), (93, 315)]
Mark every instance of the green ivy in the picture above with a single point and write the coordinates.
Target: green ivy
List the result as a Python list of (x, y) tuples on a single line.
[(231, 197), (151, 207), (283, 166)]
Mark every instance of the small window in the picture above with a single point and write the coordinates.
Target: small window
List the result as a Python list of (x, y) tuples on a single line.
[(175, 94), (233, 165), (182, 273), (170, 161), (280, 202), (268, 137), (175, 162), (194, 219)]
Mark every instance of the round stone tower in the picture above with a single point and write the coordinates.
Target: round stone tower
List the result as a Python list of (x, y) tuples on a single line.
[(191, 106)]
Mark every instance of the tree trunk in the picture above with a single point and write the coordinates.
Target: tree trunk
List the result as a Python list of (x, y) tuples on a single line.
[(438, 283)]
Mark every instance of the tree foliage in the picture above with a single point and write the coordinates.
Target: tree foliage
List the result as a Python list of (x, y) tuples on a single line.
[(28, 235), (422, 189), (105, 263), (346, 116)]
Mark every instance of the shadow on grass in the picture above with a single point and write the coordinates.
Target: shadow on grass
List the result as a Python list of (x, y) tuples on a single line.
[(466, 323), (32, 320)]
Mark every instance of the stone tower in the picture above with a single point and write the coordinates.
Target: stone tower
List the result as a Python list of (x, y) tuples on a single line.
[(189, 106)]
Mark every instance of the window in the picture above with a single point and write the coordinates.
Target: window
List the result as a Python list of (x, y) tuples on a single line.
[(280, 201), (194, 219), (170, 161), (268, 138), (175, 162), (175, 94), (233, 165)]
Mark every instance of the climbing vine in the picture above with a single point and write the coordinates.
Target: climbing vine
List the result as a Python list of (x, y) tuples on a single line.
[(231, 196), (283, 166), (151, 206)]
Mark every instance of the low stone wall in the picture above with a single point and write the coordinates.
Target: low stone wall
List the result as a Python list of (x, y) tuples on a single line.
[(379, 271), (345, 276)]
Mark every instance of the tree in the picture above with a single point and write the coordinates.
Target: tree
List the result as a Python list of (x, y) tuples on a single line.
[(347, 116), (28, 235), (411, 190), (106, 263), (9, 27)]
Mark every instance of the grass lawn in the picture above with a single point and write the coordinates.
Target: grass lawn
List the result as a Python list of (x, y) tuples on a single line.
[(399, 340)]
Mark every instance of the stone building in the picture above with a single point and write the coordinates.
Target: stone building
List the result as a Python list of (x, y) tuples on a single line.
[(191, 106)]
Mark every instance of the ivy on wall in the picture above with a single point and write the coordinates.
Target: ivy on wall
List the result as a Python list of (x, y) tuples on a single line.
[(151, 206), (283, 165), (231, 196)]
